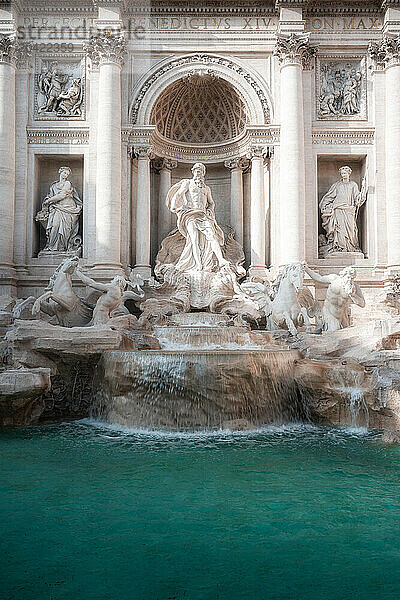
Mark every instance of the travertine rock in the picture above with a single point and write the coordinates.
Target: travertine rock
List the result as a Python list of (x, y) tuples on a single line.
[(391, 437), (36, 344), (21, 392)]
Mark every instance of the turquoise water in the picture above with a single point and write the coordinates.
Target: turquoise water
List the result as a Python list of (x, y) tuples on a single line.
[(88, 512)]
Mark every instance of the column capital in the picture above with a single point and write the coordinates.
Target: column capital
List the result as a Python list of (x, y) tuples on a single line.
[(386, 52), (23, 54), (8, 49), (237, 163), (142, 152), (161, 163), (106, 48), (295, 49), (258, 151)]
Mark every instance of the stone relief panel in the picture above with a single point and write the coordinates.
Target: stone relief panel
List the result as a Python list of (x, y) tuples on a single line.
[(341, 88), (60, 88)]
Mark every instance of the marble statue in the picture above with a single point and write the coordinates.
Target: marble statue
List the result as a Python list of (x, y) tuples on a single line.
[(199, 265), (339, 211), (341, 292), (59, 215), (192, 202), (285, 302), (61, 301), (340, 90), (113, 294), (58, 98)]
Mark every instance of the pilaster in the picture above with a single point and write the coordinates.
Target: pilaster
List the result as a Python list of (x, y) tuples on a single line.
[(386, 57), (8, 59)]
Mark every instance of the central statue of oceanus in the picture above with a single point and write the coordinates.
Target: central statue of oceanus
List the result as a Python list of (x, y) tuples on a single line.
[(192, 202), (199, 265)]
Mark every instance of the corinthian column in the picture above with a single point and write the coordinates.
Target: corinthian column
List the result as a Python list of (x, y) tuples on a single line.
[(257, 212), (294, 53), (143, 212), (164, 167), (236, 166), (107, 51), (386, 55), (8, 48)]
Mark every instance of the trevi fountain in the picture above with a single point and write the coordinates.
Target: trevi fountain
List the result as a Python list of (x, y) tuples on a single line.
[(200, 299)]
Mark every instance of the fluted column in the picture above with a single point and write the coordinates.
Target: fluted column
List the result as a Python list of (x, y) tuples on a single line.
[(143, 211), (108, 52), (236, 166), (257, 211), (293, 52), (165, 167), (22, 209), (386, 55), (8, 46)]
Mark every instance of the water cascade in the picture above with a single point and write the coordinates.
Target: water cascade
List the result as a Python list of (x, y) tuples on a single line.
[(199, 384)]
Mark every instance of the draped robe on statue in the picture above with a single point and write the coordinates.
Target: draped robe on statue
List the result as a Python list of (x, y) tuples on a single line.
[(194, 206), (61, 219), (339, 210)]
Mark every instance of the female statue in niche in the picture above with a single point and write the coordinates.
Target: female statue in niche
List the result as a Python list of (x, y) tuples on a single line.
[(60, 216), (339, 211)]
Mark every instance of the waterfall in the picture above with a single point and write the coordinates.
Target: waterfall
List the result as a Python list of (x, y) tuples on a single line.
[(358, 407), (189, 389)]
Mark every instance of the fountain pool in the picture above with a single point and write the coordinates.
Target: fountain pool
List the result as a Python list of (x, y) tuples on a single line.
[(301, 512)]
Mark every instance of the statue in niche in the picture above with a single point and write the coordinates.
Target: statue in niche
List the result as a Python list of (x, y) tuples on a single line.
[(199, 265), (341, 292), (58, 98), (192, 202), (59, 216), (339, 211), (340, 90)]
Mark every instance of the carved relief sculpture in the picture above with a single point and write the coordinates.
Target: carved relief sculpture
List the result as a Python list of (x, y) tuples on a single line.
[(339, 211), (341, 90), (59, 215), (61, 93)]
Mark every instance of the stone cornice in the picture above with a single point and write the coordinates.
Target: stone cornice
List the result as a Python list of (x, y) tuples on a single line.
[(348, 137), (58, 135), (106, 48), (386, 52), (295, 49)]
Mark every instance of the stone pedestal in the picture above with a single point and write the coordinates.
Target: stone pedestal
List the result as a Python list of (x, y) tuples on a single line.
[(345, 258)]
